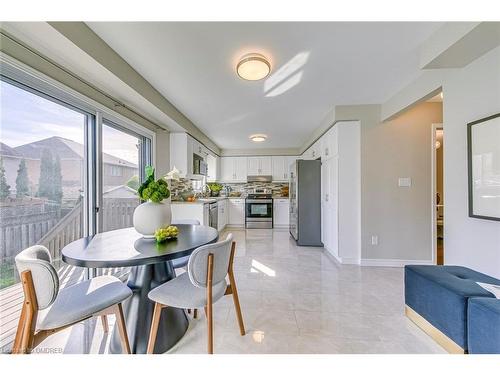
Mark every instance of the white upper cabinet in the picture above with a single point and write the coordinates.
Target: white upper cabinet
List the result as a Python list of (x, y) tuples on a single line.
[(253, 166), (329, 145), (233, 169), (259, 166), (280, 166), (240, 169), (181, 154)]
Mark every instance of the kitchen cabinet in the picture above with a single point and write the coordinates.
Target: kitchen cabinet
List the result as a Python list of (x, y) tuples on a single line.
[(329, 206), (259, 166), (281, 207), (213, 167), (182, 148), (233, 169), (183, 211), (280, 168), (222, 211), (236, 217), (329, 146)]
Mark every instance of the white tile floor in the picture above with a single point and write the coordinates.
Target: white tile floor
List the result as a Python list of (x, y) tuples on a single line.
[(294, 300)]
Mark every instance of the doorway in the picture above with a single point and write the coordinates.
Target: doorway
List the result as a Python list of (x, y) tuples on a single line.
[(437, 147)]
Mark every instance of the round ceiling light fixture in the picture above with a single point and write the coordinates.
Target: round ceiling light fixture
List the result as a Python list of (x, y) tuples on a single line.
[(253, 67), (258, 137)]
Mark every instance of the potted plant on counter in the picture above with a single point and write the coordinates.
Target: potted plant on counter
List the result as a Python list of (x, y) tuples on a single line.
[(215, 189), (155, 212)]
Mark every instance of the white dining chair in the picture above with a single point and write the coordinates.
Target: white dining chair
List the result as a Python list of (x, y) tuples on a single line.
[(202, 285), (182, 262), (47, 310)]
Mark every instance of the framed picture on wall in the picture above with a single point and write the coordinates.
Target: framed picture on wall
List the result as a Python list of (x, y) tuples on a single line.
[(483, 149)]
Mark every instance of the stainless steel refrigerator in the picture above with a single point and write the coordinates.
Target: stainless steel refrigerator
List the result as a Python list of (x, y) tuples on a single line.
[(305, 202)]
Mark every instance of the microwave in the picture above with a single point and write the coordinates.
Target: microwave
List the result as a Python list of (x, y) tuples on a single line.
[(199, 165)]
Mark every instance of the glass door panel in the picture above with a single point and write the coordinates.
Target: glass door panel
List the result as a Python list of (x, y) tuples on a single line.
[(121, 157), (42, 161)]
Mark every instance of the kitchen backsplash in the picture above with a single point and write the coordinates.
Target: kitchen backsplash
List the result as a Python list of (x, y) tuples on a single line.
[(177, 187)]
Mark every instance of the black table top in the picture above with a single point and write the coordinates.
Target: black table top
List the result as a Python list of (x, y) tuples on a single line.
[(126, 247)]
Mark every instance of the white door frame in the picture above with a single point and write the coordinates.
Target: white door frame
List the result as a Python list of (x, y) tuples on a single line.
[(434, 127)]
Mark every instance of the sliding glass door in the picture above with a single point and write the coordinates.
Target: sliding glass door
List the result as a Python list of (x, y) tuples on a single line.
[(66, 171), (121, 163), (42, 175)]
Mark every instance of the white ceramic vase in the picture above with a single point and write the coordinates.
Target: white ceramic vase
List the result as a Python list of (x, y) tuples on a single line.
[(150, 216)]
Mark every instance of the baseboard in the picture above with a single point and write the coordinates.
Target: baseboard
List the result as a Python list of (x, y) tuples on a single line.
[(393, 262), (334, 257), (448, 344)]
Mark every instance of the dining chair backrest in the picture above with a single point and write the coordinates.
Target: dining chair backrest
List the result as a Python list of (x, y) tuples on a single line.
[(186, 221), (198, 262), (45, 280)]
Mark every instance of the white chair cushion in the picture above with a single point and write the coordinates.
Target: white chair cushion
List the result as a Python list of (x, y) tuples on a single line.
[(181, 293), (82, 300)]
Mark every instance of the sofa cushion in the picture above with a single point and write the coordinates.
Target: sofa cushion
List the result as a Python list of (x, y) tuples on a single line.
[(483, 328), (440, 295)]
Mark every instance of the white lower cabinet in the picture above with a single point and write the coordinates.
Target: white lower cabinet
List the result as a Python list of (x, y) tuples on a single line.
[(281, 206), (222, 211), (236, 217), (197, 211)]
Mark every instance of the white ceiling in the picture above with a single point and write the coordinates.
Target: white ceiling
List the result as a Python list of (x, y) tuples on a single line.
[(314, 67)]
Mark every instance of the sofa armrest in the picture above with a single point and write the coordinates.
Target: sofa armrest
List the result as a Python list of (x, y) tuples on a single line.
[(483, 323)]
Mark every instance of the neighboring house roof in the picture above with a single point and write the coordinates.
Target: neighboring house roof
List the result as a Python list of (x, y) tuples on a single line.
[(122, 191), (8, 151), (65, 149)]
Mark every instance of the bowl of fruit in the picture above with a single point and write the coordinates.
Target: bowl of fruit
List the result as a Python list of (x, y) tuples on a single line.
[(167, 233)]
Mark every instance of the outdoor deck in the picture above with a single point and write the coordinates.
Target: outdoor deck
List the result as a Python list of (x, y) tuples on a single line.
[(11, 299)]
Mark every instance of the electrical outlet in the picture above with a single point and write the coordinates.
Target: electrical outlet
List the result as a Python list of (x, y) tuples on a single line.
[(374, 240)]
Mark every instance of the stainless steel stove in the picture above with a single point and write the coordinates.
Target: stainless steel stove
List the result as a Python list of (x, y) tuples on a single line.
[(259, 209)]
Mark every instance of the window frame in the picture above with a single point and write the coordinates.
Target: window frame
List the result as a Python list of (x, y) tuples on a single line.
[(21, 75)]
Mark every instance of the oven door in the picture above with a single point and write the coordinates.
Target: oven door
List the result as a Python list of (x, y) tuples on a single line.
[(259, 209)]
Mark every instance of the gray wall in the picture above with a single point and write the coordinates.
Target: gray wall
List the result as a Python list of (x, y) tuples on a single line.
[(400, 217)]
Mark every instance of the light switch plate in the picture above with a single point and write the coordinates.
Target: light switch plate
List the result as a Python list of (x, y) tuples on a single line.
[(404, 181)]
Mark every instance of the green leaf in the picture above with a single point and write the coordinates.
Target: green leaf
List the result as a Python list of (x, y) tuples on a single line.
[(150, 171)]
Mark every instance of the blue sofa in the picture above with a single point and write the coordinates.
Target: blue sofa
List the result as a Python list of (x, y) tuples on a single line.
[(441, 295), (483, 326)]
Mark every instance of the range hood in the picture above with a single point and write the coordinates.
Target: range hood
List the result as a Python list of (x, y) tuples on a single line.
[(259, 178)]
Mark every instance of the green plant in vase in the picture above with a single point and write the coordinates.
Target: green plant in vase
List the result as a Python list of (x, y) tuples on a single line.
[(215, 189)]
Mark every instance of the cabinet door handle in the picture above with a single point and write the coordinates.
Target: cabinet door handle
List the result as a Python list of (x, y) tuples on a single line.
[(326, 152)]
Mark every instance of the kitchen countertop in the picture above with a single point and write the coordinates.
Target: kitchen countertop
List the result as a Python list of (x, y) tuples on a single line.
[(216, 199)]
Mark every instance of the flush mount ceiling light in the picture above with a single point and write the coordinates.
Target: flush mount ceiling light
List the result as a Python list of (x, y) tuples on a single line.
[(258, 137), (253, 67)]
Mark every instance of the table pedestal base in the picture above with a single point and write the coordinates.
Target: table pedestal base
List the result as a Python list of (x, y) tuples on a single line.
[(138, 311)]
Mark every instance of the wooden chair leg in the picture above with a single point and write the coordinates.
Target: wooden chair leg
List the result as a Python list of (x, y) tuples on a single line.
[(210, 329), (21, 326), (105, 325), (154, 328), (237, 306), (120, 321), (25, 334), (234, 291), (195, 313), (209, 307)]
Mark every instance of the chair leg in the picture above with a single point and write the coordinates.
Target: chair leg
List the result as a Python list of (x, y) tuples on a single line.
[(237, 306), (195, 313), (154, 328), (21, 326), (120, 321), (209, 311), (105, 325)]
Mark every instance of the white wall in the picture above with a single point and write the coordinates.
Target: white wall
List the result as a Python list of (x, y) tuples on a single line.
[(470, 93), (349, 185)]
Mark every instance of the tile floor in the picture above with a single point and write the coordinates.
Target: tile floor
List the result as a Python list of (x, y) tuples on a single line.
[(294, 300)]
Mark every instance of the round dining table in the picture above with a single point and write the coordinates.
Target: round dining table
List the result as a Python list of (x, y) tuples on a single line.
[(151, 266)]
